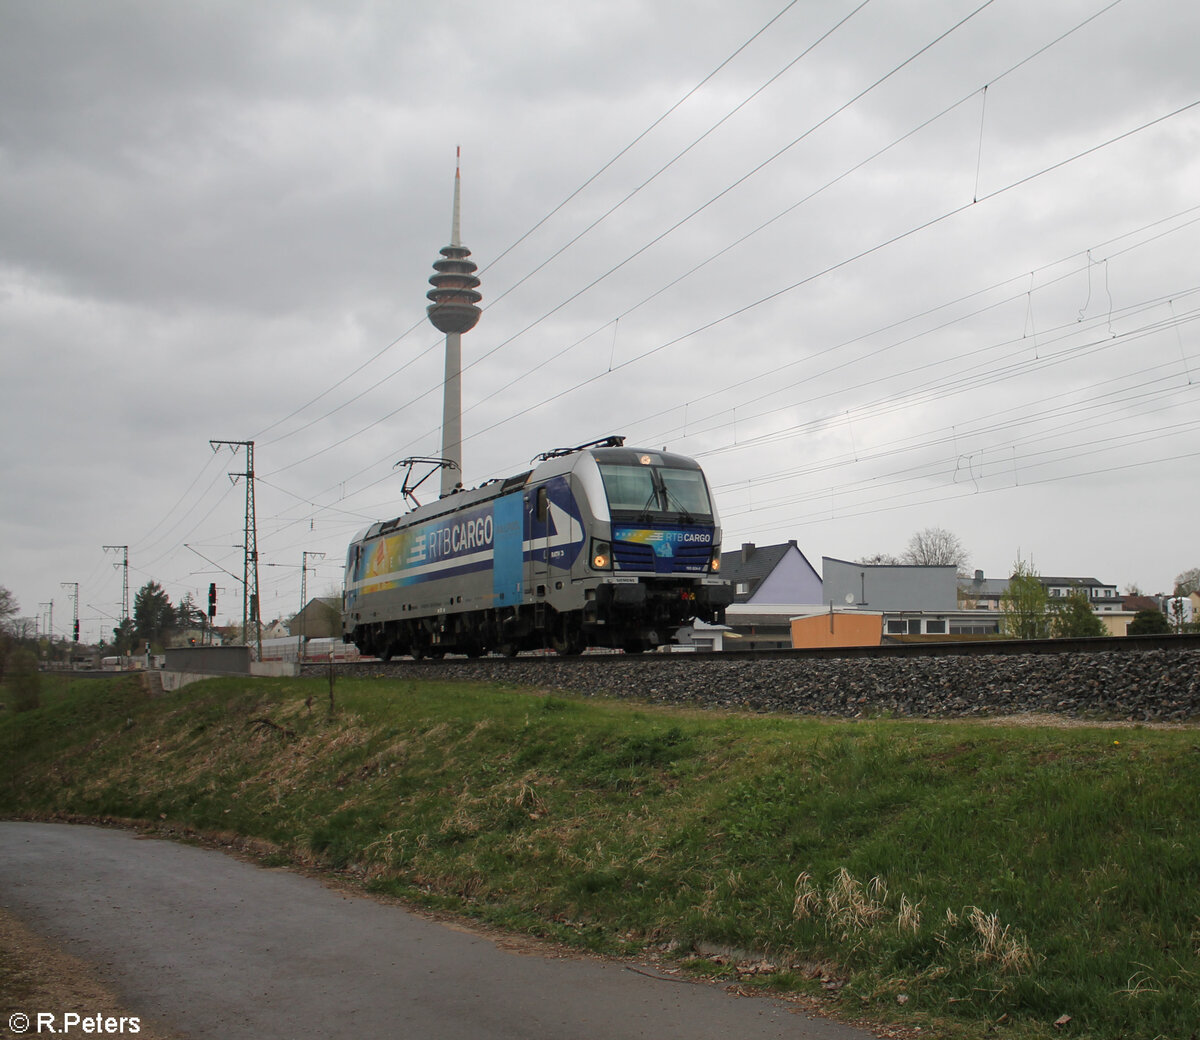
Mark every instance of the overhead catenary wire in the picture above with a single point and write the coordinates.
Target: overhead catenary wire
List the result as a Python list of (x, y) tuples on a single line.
[(893, 399), (811, 357)]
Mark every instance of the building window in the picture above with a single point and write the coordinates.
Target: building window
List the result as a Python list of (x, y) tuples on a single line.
[(935, 628), (896, 628)]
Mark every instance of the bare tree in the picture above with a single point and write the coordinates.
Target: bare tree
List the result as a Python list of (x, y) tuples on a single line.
[(878, 560), (8, 607), (1187, 582), (936, 547)]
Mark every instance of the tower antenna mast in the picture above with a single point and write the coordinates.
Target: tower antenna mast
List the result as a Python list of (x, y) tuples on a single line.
[(453, 309)]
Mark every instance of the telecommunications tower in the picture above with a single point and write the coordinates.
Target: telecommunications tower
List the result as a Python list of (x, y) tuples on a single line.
[(453, 310)]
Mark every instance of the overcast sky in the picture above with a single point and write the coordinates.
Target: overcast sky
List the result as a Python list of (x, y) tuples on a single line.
[(880, 266)]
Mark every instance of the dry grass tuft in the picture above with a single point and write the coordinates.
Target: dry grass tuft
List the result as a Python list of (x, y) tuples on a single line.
[(853, 907), (1001, 946), (908, 918), (808, 897), (849, 907)]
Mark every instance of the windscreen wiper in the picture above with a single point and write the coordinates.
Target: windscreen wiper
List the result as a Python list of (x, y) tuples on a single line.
[(684, 516), (645, 516)]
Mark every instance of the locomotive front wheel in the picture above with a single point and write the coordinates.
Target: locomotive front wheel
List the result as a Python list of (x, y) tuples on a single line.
[(568, 641), (570, 646)]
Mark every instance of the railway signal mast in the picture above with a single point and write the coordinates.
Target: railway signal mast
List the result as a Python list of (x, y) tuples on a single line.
[(453, 310)]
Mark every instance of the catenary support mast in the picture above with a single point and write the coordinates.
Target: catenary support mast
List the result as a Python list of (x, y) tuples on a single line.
[(250, 599)]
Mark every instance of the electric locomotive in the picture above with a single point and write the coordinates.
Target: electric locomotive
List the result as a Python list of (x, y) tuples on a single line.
[(600, 545)]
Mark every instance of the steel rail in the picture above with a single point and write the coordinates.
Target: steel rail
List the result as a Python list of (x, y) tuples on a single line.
[(963, 648)]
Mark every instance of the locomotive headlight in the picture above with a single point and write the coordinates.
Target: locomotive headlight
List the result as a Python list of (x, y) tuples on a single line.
[(601, 556), (714, 564)]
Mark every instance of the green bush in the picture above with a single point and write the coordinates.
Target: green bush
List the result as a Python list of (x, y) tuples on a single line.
[(24, 681), (1149, 623)]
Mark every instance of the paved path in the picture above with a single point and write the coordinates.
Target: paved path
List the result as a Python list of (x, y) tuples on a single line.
[(216, 947)]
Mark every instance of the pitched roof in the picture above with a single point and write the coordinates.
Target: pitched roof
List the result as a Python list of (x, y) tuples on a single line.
[(982, 587), (759, 561), (1139, 603), (752, 567)]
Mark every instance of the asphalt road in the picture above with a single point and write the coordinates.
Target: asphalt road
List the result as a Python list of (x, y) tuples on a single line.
[(216, 947)]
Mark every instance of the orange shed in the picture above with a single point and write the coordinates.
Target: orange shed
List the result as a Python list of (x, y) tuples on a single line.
[(839, 628)]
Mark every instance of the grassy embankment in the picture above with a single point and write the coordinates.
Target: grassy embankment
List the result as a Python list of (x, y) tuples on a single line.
[(962, 877)]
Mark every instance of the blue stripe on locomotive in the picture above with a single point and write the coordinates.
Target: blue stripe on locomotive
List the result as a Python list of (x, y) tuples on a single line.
[(508, 549)]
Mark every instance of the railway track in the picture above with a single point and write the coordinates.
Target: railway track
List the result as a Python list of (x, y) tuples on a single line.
[(896, 650), (1147, 679)]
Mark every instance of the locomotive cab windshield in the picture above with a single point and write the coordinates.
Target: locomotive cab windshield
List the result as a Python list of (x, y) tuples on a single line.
[(647, 487)]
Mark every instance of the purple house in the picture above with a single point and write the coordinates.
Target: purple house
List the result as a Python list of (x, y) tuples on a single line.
[(771, 584)]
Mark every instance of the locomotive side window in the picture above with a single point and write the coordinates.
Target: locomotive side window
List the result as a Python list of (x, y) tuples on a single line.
[(543, 504)]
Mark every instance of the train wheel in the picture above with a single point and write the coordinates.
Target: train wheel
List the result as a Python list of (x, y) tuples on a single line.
[(569, 640)]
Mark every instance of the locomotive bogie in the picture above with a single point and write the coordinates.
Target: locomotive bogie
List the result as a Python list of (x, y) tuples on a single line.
[(606, 547)]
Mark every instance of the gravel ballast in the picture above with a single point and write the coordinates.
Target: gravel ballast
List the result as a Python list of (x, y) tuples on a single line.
[(1151, 686)]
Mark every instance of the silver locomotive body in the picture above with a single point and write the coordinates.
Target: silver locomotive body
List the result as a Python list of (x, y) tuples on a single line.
[(597, 546)]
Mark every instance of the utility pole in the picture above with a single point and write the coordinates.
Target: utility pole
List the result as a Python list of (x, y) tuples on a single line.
[(124, 565), (250, 562), (304, 597)]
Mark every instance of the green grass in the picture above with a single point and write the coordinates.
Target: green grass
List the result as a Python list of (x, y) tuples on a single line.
[(957, 876)]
